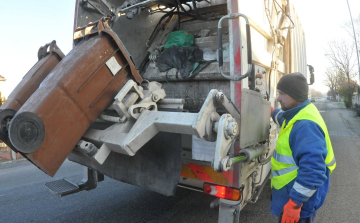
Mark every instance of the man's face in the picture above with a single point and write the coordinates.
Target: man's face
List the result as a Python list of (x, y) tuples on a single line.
[(286, 101)]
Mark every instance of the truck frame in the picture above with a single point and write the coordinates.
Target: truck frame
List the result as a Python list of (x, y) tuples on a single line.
[(210, 132)]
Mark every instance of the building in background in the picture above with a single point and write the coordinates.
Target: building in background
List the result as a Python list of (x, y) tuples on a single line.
[(2, 80), (4, 151)]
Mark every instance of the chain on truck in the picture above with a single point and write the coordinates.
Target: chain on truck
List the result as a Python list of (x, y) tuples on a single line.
[(201, 123)]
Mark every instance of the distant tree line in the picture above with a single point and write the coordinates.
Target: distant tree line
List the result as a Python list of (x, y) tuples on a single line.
[(315, 93)]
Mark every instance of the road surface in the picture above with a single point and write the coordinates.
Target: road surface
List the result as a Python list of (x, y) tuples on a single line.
[(24, 198)]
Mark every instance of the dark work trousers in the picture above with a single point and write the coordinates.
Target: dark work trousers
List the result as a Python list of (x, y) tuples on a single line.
[(310, 219)]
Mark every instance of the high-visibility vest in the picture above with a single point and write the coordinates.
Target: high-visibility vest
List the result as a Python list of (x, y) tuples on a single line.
[(283, 166)]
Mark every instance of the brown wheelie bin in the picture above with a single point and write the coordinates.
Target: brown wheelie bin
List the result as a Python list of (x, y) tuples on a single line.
[(54, 118), (48, 57)]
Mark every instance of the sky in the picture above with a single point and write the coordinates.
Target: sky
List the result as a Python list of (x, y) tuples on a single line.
[(322, 21), (27, 25)]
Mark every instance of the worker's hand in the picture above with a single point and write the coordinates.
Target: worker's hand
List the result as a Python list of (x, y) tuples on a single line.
[(291, 212), (272, 109)]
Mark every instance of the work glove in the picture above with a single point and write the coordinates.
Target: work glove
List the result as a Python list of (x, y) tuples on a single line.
[(272, 109), (291, 212)]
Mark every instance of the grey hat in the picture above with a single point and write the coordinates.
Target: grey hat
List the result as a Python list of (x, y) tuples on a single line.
[(295, 85)]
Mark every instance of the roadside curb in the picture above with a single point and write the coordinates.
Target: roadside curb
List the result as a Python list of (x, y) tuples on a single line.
[(6, 156), (12, 161), (338, 105)]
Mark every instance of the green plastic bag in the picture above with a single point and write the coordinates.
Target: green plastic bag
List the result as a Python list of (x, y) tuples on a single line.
[(179, 38)]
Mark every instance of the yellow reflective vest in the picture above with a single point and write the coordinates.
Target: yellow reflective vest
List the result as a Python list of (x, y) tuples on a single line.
[(283, 166)]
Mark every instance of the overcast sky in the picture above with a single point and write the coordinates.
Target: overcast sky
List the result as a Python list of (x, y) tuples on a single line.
[(27, 25)]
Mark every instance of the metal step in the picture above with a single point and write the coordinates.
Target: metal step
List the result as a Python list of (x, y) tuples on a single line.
[(210, 41), (195, 26), (65, 187), (62, 187)]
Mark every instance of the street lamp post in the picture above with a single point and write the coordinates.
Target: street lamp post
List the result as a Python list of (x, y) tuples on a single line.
[(357, 51)]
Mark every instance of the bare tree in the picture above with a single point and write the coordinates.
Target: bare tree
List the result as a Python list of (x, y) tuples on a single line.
[(355, 37), (332, 81), (349, 30), (341, 57)]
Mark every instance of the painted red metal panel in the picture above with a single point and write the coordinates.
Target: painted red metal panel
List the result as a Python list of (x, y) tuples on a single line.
[(234, 8), (229, 176)]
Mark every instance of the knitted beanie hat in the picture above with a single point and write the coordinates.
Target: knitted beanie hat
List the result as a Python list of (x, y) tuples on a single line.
[(295, 85)]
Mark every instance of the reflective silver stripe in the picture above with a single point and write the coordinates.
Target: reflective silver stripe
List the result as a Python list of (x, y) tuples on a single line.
[(276, 117), (277, 173), (303, 190), (332, 162), (283, 158)]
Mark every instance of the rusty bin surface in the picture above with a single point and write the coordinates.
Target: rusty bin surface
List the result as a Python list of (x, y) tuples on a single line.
[(51, 122), (49, 56)]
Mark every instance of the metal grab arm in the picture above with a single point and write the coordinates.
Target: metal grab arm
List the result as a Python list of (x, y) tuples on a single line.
[(220, 48), (130, 136), (200, 124)]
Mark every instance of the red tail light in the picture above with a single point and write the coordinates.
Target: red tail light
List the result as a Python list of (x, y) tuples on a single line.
[(222, 191)]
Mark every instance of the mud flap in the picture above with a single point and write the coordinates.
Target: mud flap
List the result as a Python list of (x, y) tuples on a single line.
[(156, 166)]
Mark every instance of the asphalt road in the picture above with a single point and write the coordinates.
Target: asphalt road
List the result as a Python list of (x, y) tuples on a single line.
[(24, 198)]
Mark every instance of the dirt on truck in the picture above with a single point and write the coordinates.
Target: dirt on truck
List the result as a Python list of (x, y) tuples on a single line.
[(161, 94)]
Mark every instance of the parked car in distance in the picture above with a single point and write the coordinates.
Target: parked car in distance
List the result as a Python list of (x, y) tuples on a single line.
[(313, 100)]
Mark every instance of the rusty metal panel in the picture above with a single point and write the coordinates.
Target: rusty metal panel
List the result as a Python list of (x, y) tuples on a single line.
[(28, 85), (50, 123), (255, 121)]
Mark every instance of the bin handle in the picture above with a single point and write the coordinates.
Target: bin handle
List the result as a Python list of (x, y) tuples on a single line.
[(52, 47), (220, 48), (42, 51)]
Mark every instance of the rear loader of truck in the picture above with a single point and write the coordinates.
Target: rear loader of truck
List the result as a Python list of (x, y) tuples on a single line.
[(136, 102)]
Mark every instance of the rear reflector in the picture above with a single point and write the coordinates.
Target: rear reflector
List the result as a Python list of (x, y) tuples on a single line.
[(222, 191)]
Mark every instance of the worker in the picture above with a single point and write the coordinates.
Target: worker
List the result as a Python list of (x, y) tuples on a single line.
[(303, 158)]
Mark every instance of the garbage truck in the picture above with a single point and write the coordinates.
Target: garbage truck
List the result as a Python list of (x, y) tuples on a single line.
[(161, 94)]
